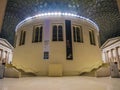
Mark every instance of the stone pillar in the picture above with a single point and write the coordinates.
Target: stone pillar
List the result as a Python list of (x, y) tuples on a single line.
[(3, 4), (6, 57), (118, 3), (112, 59), (3, 55), (10, 57), (114, 55), (119, 53), (8, 61), (0, 54), (117, 57), (106, 57)]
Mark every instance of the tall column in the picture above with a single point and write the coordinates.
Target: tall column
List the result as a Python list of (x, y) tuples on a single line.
[(107, 54), (106, 57), (6, 56), (2, 11), (117, 57), (112, 59), (1, 55), (118, 3), (119, 52)]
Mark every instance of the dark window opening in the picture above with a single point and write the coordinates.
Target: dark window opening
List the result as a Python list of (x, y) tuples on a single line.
[(46, 55), (92, 37), (40, 34), (77, 34), (60, 33), (22, 38), (57, 33), (74, 34), (54, 33), (24, 35), (37, 34)]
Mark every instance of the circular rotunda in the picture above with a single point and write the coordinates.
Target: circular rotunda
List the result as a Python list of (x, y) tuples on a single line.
[(57, 44)]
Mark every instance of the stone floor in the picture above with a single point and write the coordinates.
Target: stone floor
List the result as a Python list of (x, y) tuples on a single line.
[(60, 83)]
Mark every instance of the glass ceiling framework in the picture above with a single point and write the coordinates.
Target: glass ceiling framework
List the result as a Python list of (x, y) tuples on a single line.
[(103, 12)]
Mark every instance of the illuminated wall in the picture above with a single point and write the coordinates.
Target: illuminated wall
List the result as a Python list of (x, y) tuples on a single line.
[(111, 50), (118, 2), (6, 51), (2, 11), (49, 39)]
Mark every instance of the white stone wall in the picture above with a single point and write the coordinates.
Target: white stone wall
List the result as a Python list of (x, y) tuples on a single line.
[(111, 53), (2, 11), (6, 53)]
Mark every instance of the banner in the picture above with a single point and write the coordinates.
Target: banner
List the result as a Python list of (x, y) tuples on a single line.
[(69, 52), (46, 40)]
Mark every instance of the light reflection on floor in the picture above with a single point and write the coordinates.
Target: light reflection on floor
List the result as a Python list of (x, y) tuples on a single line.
[(60, 83)]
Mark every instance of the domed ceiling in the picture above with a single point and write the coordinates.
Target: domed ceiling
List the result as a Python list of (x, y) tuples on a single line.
[(104, 13)]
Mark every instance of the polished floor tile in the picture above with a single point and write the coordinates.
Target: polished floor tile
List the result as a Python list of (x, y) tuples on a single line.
[(60, 83)]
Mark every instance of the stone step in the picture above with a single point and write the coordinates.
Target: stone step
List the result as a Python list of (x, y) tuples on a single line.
[(12, 73)]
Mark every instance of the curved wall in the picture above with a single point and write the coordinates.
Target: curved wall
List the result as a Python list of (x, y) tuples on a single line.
[(74, 57)]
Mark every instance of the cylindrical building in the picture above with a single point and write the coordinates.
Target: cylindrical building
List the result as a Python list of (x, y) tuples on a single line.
[(57, 44)]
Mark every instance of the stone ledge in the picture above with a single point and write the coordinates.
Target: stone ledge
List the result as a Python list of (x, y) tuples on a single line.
[(103, 72), (12, 73)]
